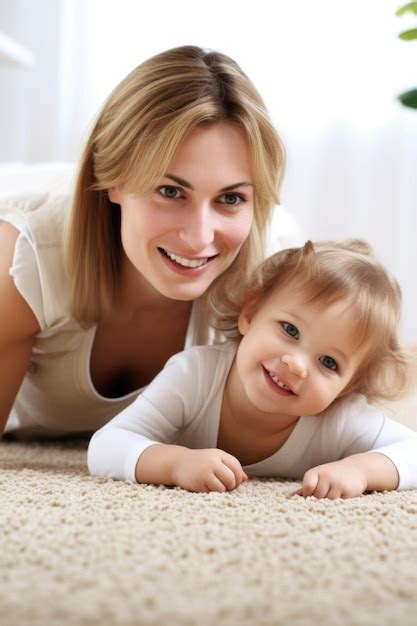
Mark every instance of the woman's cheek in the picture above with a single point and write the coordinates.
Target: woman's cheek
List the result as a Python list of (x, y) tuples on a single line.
[(240, 232)]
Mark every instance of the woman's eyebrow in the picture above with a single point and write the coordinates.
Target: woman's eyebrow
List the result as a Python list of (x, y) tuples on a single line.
[(184, 183)]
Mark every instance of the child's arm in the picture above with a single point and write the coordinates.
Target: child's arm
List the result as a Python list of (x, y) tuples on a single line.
[(155, 417), (195, 470), (136, 444), (350, 477), (376, 453)]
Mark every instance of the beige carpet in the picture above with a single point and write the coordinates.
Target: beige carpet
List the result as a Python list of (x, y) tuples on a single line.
[(79, 551)]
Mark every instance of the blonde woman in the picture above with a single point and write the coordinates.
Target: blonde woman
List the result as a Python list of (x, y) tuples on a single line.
[(175, 189), (315, 343)]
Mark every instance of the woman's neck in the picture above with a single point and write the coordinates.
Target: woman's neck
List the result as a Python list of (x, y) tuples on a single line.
[(136, 297)]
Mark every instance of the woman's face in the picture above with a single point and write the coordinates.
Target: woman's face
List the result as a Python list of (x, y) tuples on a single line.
[(191, 227)]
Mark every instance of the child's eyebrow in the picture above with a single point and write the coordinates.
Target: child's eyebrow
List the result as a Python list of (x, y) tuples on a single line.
[(341, 354), (188, 185), (296, 317)]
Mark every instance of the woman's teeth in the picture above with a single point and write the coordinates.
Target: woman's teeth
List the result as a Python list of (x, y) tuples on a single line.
[(185, 262), (278, 382)]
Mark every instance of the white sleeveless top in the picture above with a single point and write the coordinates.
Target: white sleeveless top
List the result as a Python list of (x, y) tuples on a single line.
[(57, 394)]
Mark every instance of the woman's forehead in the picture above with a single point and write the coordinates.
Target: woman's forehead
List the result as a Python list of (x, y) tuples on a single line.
[(219, 150)]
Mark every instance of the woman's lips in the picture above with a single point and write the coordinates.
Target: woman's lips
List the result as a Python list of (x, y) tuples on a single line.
[(181, 269)]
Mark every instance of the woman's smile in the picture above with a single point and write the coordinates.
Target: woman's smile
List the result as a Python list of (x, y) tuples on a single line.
[(186, 266)]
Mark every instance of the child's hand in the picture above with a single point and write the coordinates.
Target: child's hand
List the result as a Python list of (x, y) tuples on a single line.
[(208, 470), (341, 479)]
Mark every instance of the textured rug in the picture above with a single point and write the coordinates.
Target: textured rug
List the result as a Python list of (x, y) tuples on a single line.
[(78, 551)]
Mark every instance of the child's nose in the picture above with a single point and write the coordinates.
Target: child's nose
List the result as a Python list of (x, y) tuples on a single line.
[(296, 364)]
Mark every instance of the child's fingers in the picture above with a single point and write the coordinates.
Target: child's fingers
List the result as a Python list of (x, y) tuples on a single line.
[(213, 483), (234, 465), (322, 488), (310, 484), (228, 476), (334, 493)]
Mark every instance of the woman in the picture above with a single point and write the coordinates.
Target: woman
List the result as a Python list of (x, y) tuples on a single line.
[(175, 189)]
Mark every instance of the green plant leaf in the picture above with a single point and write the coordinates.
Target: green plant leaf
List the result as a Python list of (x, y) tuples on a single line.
[(408, 35), (410, 7), (409, 98)]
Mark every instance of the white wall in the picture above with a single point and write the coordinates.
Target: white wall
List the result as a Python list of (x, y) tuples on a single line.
[(28, 111), (328, 72)]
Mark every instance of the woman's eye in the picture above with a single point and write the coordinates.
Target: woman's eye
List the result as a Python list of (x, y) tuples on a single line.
[(232, 199), (291, 330), (169, 192), (329, 363)]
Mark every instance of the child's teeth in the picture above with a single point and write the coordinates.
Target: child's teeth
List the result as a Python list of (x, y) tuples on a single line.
[(278, 382)]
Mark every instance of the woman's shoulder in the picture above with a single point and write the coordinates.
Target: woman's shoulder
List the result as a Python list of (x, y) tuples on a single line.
[(39, 216), (38, 267)]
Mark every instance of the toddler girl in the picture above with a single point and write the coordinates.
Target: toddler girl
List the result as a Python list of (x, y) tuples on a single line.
[(312, 340)]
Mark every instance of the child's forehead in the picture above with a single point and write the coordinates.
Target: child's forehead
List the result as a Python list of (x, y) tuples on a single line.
[(293, 299), (300, 296)]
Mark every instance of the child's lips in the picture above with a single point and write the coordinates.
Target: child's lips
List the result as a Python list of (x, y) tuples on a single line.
[(281, 378)]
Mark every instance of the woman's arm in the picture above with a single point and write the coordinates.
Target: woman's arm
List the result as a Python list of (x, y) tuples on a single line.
[(18, 327)]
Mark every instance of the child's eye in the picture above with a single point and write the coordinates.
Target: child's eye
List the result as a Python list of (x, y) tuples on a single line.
[(291, 330), (232, 199), (169, 192), (329, 363)]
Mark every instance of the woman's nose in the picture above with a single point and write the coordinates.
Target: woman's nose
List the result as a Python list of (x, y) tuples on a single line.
[(198, 229), (296, 364)]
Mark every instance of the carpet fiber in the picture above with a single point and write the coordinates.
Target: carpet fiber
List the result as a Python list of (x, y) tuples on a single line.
[(80, 551)]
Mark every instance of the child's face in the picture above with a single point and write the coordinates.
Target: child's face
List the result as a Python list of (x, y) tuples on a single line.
[(296, 358)]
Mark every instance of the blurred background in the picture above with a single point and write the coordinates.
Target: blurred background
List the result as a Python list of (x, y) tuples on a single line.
[(329, 72)]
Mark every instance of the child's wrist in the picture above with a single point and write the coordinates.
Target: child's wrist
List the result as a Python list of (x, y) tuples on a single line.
[(178, 455), (157, 464), (379, 472)]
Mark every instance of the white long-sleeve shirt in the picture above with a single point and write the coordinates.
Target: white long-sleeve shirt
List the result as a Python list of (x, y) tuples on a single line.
[(183, 404)]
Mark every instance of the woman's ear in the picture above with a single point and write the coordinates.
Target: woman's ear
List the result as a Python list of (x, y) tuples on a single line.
[(115, 195)]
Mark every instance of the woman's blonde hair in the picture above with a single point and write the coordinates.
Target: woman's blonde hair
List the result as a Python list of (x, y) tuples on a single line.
[(131, 144), (327, 272)]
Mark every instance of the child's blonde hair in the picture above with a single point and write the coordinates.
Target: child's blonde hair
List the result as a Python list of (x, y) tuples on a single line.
[(132, 143), (327, 272)]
